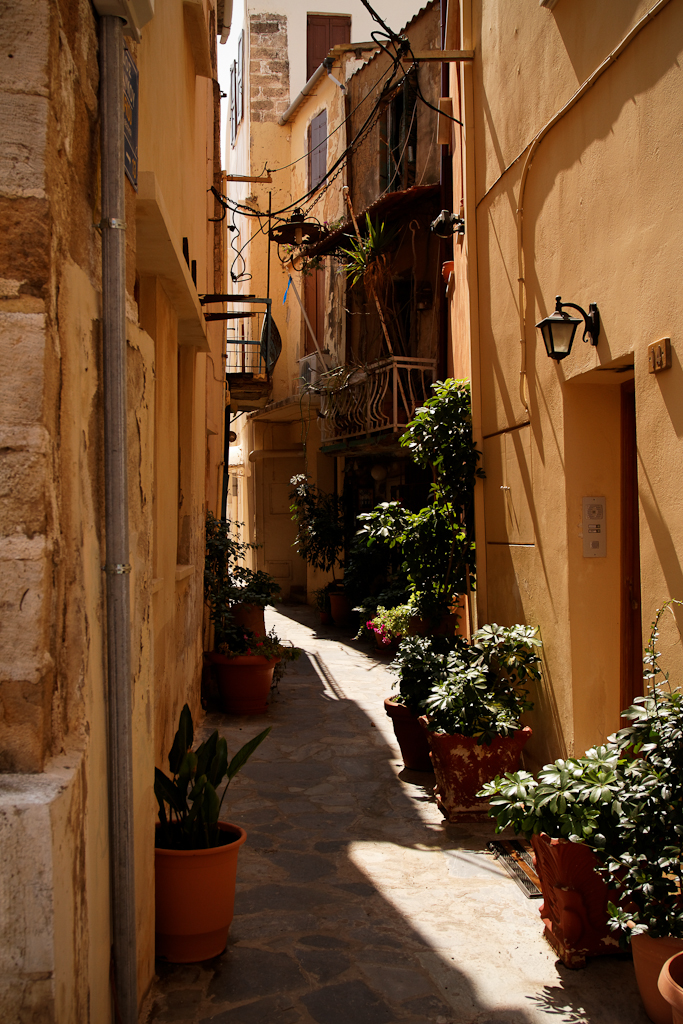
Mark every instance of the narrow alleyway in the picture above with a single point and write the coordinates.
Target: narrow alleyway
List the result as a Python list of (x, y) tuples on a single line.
[(356, 904)]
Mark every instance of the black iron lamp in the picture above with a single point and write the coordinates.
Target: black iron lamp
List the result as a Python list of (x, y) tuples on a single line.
[(297, 231), (559, 328), (447, 224)]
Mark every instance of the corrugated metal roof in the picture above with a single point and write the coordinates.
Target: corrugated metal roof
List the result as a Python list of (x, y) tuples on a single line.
[(385, 204)]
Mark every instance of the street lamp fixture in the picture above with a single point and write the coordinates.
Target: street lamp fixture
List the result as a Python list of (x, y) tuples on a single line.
[(559, 328)]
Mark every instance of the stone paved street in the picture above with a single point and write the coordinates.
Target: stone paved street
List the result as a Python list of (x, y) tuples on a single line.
[(356, 904)]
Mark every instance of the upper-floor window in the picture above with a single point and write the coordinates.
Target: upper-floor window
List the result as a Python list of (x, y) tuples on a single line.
[(317, 149), (237, 89), (323, 31), (398, 139)]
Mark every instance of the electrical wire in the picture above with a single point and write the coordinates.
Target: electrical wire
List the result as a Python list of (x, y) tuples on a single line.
[(273, 170), (367, 125)]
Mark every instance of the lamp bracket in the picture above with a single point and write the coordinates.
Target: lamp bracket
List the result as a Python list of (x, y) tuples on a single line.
[(591, 330)]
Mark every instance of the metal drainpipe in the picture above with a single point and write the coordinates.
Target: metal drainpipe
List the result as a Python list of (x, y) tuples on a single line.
[(117, 568)]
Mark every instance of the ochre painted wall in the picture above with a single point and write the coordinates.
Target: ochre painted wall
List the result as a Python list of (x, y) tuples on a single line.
[(602, 220)]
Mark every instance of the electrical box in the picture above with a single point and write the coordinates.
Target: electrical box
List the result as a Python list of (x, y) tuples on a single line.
[(594, 527), (659, 356)]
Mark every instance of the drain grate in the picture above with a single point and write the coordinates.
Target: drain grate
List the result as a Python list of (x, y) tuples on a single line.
[(517, 861)]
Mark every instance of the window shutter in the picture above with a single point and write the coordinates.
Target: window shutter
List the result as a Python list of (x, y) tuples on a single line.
[(233, 122), (240, 79), (322, 33), (317, 146)]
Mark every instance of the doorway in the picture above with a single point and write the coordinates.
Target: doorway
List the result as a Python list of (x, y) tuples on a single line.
[(631, 625)]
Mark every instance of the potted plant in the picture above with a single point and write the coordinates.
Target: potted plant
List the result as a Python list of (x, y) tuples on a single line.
[(196, 853), (644, 859), (320, 538), (321, 596), (235, 594), (568, 810), (439, 438), (246, 666), (473, 714), (617, 810), (388, 625), (419, 663)]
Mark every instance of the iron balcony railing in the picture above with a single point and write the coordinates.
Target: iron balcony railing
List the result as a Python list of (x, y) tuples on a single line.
[(380, 398)]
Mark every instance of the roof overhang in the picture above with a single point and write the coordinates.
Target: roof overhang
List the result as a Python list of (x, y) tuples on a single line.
[(389, 203)]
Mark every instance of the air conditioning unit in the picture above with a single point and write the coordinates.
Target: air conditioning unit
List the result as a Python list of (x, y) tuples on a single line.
[(310, 368)]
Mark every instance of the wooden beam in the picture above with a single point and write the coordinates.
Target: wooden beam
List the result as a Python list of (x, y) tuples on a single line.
[(267, 180), (443, 56)]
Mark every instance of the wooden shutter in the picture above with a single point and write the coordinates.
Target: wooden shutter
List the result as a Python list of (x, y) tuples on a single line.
[(317, 149), (239, 84), (323, 31), (314, 304), (233, 101)]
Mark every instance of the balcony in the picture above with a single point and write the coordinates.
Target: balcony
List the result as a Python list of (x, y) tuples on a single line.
[(374, 404)]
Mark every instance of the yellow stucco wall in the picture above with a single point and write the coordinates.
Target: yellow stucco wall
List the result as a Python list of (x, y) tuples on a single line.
[(601, 223)]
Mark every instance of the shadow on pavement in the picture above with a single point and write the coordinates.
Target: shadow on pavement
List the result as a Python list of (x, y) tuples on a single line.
[(332, 838)]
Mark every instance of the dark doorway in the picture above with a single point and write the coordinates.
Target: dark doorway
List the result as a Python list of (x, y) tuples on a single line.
[(631, 628)]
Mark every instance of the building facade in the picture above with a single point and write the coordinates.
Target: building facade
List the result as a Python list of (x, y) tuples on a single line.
[(57, 913), (304, 154), (566, 164)]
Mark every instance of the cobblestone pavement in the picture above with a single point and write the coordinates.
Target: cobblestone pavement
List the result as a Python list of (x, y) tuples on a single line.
[(356, 903)]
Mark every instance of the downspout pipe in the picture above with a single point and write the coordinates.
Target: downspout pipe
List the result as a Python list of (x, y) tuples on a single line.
[(117, 567)]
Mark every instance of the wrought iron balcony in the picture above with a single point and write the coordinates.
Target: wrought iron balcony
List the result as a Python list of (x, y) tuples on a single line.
[(376, 400)]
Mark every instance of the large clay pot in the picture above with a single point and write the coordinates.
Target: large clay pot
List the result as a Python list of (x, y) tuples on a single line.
[(244, 683), (462, 766), (411, 736), (250, 616), (575, 898), (670, 985), (649, 956), (195, 898), (340, 607)]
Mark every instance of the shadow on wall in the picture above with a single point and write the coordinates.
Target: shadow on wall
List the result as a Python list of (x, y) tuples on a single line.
[(314, 938)]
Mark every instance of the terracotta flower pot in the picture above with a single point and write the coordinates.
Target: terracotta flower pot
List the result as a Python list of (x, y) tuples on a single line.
[(244, 683), (649, 957), (386, 646), (462, 766), (670, 985), (411, 736), (575, 897), (340, 607), (195, 898), (249, 616)]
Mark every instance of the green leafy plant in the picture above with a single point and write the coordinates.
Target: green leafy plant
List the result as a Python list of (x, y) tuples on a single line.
[(624, 799), (389, 624), (191, 793), (227, 581), (434, 550), (421, 662), (439, 437), (645, 858), (482, 692), (367, 259), (576, 798), (320, 520)]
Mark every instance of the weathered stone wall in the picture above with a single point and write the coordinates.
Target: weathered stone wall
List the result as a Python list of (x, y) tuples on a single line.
[(268, 66)]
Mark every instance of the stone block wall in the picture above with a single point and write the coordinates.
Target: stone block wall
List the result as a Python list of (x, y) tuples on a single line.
[(268, 66)]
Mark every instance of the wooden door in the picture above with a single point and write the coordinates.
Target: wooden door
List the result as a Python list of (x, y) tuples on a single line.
[(631, 627)]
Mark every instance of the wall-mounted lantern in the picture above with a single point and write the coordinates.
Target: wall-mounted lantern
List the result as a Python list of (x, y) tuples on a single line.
[(447, 224), (559, 328)]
